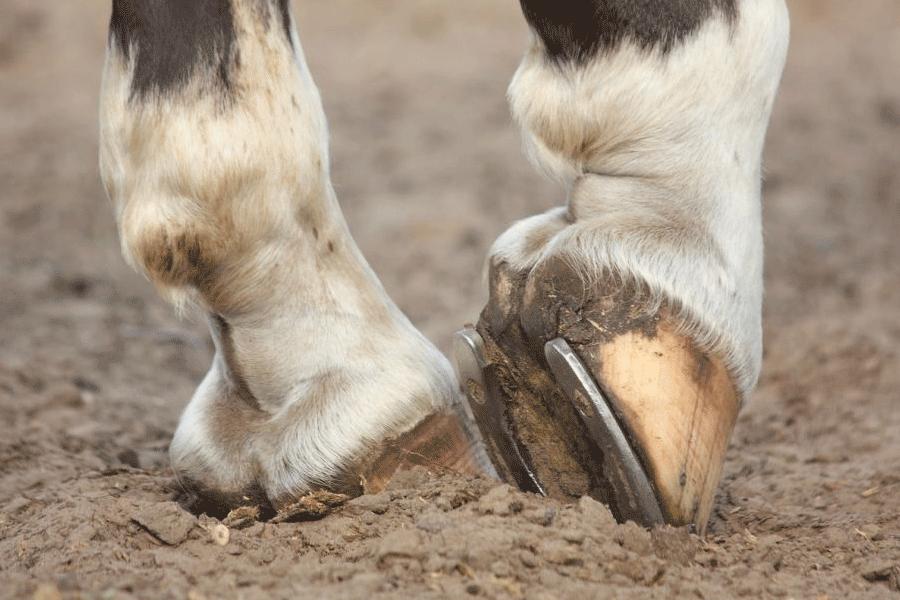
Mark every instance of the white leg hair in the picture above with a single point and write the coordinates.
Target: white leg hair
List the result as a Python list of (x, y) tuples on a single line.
[(660, 156), (225, 201)]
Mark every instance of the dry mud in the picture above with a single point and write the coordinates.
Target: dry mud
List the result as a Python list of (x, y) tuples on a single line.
[(95, 369)]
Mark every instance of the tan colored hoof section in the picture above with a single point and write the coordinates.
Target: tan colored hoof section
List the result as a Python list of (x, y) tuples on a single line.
[(679, 408)]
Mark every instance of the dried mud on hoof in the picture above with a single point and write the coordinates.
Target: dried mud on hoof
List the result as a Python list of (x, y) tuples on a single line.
[(544, 428), (654, 452)]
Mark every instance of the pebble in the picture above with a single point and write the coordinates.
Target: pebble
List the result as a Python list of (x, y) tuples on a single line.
[(501, 501), (220, 534), (634, 538), (675, 544), (541, 516), (595, 513), (501, 569), (47, 591), (573, 536), (528, 558), (376, 503), (872, 531), (348, 529)]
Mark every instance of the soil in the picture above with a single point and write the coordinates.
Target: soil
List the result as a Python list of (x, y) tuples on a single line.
[(95, 368)]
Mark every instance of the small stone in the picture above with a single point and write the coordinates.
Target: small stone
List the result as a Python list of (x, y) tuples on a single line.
[(885, 572), (220, 534), (82, 534), (573, 536), (529, 558), (501, 569), (675, 544), (501, 501), (375, 503), (633, 537), (596, 514), (47, 591), (265, 555), (130, 458), (66, 395), (416, 478), (541, 516), (433, 525), (776, 590), (346, 528), (635, 570), (872, 531)]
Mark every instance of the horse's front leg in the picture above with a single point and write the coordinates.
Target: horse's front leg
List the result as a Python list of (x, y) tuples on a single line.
[(648, 281)]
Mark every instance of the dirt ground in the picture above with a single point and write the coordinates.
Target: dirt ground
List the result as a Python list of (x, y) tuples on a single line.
[(95, 369)]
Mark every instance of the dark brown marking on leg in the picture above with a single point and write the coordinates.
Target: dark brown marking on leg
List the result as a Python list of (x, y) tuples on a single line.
[(188, 258), (165, 261), (579, 29), (309, 216), (172, 39), (284, 8)]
